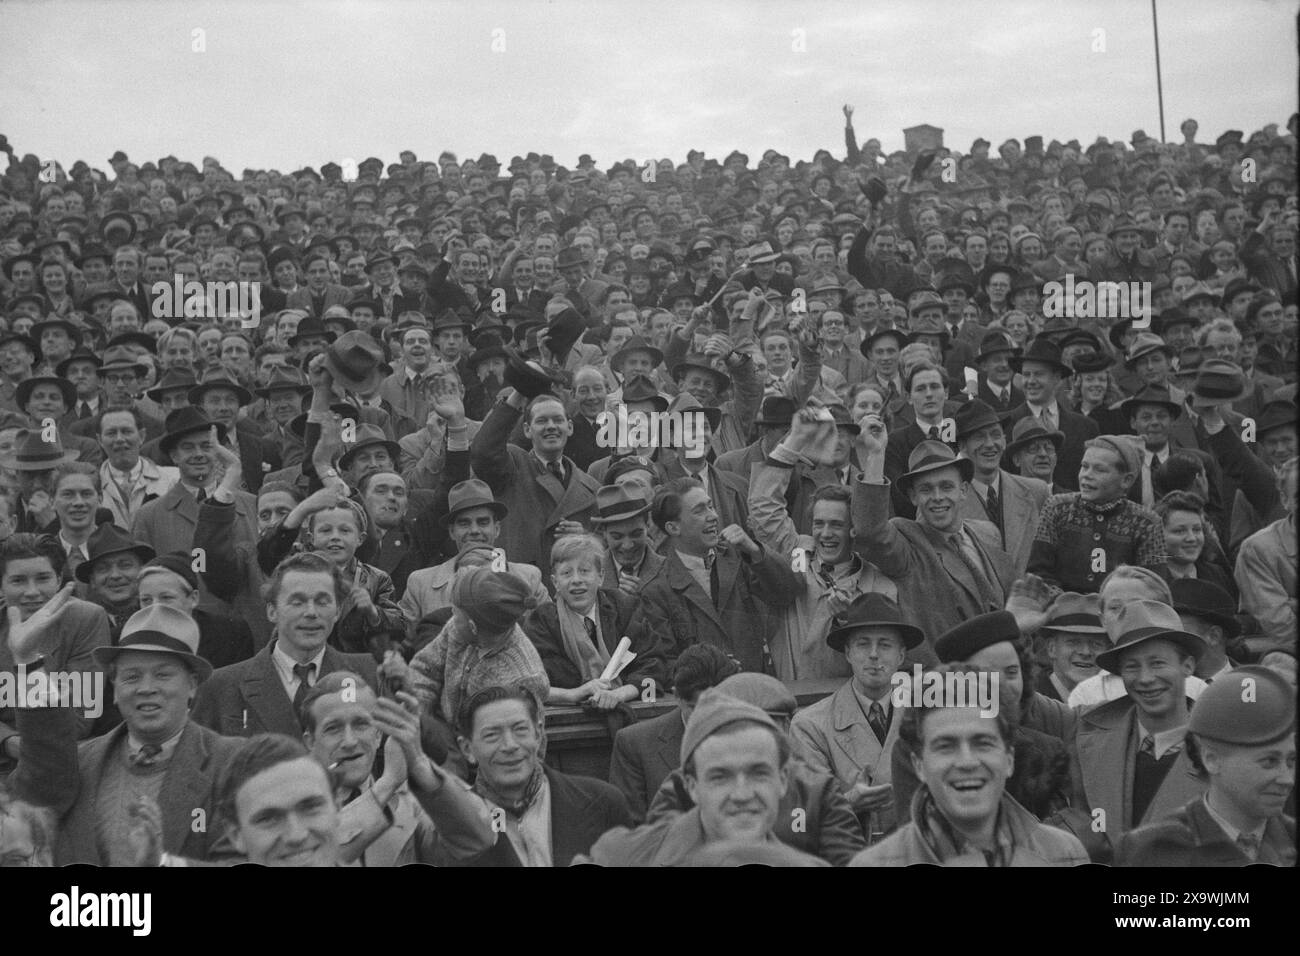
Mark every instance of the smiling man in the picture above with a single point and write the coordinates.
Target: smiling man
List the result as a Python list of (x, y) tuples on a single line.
[(1043, 371), (128, 479), (1073, 636), (962, 815)]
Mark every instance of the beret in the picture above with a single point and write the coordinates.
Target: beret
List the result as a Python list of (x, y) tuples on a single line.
[(971, 637)]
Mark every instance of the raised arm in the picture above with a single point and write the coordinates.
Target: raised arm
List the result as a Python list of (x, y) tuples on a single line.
[(489, 455)]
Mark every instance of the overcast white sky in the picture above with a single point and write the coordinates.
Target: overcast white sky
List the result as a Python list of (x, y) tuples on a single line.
[(286, 84)]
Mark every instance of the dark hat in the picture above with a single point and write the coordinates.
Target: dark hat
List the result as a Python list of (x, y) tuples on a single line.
[(39, 328), (1079, 337), (1217, 383), (450, 319), (970, 637), (142, 339), (529, 378), (1152, 395), (872, 609), (472, 493), (117, 228), (80, 354), (219, 378), (284, 212), (930, 456), (25, 388), (366, 436), (1144, 344), (493, 600), (32, 453), (284, 378), (569, 256), (776, 410), (685, 403), (109, 539), (485, 352), (1232, 137), (172, 379), (7, 337), (973, 416), (1043, 351), (1206, 600), (118, 358), (354, 360), (278, 255), (311, 326), (639, 388), (635, 344), (1199, 291), (899, 337), (1172, 317), (1278, 413), (926, 300), (995, 342), (377, 258), (1071, 613), (1249, 706), (186, 420), (158, 629), (843, 418), (695, 360), (1029, 429), (1092, 362), (565, 329), (179, 563), (618, 503), (1145, 620)]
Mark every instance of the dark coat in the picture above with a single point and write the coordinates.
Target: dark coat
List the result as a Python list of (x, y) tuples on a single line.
[(729, 491), (1189, 837), (582, 808), (644, 754), (618, 618), (248, 698), (581, 446), (1077, 430)]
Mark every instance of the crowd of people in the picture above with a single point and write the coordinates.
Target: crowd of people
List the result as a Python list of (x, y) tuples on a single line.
[(337, 547)]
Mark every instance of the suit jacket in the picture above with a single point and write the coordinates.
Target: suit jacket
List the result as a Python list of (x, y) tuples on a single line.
[(902, 440), (582, 808), (618, 618), (301, 298), (739, 461), (643, 756), (1190, 837), (1267, 268), (838, 740), (189, 784), (256, 457), (248, 698), (582, 446), (652, 563), (848, 363), (408, 401), (923, 565), (1077, 430), (154, 482), (535, 497), (750, 595), (985, 395), (1021, 500), (1104, 753)]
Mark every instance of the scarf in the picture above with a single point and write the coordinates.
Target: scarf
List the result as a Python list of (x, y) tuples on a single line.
[(946, 843), (515, 808), (589, 658)]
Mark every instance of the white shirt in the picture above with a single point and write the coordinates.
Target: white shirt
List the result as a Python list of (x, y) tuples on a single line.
[(1148, 464), (1037, 412), (1232, 832), (699, 571), (69, 547), (983, 490), (284, 665), (1164, 740), (530, 835)]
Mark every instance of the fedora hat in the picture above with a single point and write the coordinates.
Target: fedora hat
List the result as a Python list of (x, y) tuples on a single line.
[(109, 539), (1079, 337), (899, 337), (1097, 361), (32, 453), (80, 354), (872, 609), (490, 348), (40, 328), (1045, 353), (1029, 429), (776, 410), (472, 493), (1226, 712), (569, 257), (354, 361), (563, 332), (618, 503), (23, 393), (686, 402), (143, 339), (640, 389), (1072, 613), (931, 456), (926, 300), (284, 378), (1208, 601), (762, 252), (159, 629), (118, 358), (843, 418), (1218, 382), (186, 420), (173, 378), (1146, 620), (1144, 344), (218, 378), (311, 326), (973, 416), (117, 228), (636, 344), (1278, 413), (696, 360), (530, 379), (450, 319), (996, 342), (1152, 395), (368, 435), (928, 325)]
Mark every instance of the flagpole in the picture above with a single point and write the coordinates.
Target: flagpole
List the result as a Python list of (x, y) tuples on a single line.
[(1160, 90)]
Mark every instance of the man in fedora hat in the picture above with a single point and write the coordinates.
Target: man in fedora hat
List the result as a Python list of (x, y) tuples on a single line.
[(220, 397), (1011, 502), (996, 379), (121, 373), (622, 519), (474, 520), (1133, 764), (851, 734), (543, 488), (282, 397), (1032, 451), (774, 418), (1071, 636), (1241, 737), (1043, 371), (157, 753), (1208, 611), (925, 384), (33, 461), (685, 454), (47, 399), (939, 548), (1251, 471), (19, 356)]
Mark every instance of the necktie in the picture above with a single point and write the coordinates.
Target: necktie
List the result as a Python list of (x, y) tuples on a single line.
[(1048, 420), (556, 469), (933, 433), (590, 625), (876, 718), (303, 672), (1248, 843), (711, 565), (83, 411), (994, 507), (975, 564), (147, 756), (827, 572), (201, 496), (75, 558), (1148, 746)]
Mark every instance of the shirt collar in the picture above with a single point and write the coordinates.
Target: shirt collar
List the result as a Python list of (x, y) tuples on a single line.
[(134, 746), (68, 546), (1165, 740), (1232, 832), (285, 664)]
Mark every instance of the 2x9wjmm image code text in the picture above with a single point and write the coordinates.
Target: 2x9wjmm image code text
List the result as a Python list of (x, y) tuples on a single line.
[(77, 909)]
